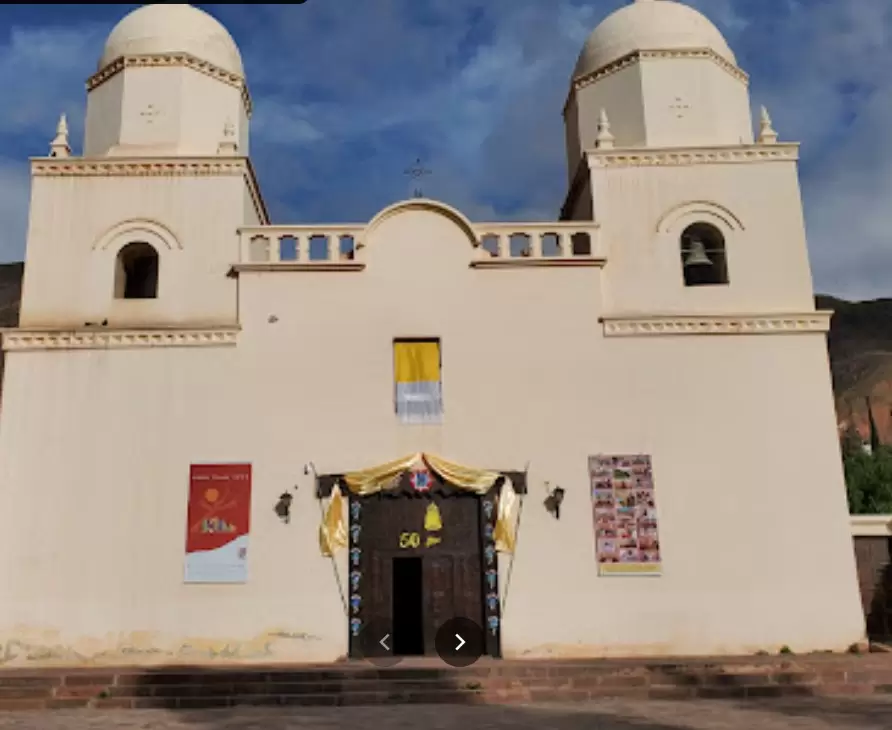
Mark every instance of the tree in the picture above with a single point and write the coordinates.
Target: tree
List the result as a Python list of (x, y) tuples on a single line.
[(851, 442), (869, 481)]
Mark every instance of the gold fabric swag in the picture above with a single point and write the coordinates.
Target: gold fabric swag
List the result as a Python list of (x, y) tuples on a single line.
[(333, 530)]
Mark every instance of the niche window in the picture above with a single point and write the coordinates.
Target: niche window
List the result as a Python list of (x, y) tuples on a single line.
[(703, 258), (417, 368), (136, 275)]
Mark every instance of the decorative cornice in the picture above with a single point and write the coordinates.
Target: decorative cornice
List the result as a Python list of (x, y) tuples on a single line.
[(183, 60), (721, 61), (521, 262), (630, 59), (680, 156), (154, 167), (137, 166), (746, 324), (329, 266), (22, 339)]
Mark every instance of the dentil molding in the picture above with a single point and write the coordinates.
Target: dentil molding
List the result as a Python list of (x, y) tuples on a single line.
[(636, 57), (17, 340), (759, 324), (681, 156), (136, 167), (183, 60)]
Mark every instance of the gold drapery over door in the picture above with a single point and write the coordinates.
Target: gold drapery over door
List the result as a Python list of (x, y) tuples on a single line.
[(507, 518), (333, 531), (387, 476)]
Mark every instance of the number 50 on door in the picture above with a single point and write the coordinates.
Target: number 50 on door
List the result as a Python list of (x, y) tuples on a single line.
[(409, 540)]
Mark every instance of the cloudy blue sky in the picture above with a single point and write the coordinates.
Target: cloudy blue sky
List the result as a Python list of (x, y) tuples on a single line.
[(349, 92)]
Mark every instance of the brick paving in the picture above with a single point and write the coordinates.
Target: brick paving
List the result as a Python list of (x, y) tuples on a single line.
[(868, 713)]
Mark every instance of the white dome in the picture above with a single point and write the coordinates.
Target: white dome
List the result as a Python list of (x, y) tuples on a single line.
[(649, 25), (157, 29)]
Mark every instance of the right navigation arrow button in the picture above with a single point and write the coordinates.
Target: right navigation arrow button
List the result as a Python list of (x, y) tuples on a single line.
[(460, 642)]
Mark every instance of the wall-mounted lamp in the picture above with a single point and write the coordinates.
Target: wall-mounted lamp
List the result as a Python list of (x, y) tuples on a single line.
[(283, 506), (554, 500)]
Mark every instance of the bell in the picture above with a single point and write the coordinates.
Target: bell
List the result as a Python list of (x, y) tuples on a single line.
[(432, 520), (696, 255)]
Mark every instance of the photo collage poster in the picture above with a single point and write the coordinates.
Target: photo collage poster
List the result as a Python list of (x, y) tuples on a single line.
[(625, 512)]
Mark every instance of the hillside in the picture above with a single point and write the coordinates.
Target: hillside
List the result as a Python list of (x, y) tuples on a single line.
[(10, 296), (860, 345)]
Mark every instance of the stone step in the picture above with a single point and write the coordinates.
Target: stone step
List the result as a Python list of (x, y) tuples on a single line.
[(488, 682)]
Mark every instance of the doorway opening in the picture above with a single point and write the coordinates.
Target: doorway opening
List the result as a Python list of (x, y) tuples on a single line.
[(408, 607)]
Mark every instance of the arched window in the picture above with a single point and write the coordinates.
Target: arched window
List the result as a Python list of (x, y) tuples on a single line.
[(136, 274), (703, 258)]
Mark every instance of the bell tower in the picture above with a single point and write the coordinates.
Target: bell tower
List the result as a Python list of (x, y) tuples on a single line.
[(698, 216), (142, 230)]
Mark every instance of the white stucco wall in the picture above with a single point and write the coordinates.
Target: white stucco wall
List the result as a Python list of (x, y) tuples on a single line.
[(694, 101), (104, 120), (79, 222), (676, 101), (162, 110), (95, 448), (619, 94), (643, 210)]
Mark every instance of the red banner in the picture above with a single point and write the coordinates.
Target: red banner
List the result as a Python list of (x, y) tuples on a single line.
[(219, 514)]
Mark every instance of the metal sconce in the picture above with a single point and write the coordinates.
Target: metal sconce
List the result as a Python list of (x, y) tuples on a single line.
[(554, 500), (283, 506)]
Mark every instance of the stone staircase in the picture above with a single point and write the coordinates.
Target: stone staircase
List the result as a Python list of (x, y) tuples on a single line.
[(487, 682)]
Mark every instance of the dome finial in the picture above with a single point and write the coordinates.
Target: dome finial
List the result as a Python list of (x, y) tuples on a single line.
[(767, 135), (59, 146), (604, 140)]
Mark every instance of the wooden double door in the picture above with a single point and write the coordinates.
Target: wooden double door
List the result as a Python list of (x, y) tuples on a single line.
[(418, 561)]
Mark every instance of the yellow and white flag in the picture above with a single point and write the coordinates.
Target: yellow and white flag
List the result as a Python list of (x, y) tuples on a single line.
[(417, 371)]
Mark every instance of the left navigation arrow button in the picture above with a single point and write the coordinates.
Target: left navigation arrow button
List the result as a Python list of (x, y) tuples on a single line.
[(375, 643)]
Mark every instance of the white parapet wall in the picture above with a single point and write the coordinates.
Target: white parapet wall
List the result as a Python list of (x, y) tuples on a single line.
[(871, 525)]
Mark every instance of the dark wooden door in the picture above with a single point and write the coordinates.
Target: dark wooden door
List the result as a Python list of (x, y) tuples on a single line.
[(874, 560), (445, 532)]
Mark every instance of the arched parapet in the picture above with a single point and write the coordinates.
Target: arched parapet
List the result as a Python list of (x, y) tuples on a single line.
[(137, 229), (681, 215), (427, 205), (493, 245)]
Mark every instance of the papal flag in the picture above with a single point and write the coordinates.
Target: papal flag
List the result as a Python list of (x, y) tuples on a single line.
[(417, 373)]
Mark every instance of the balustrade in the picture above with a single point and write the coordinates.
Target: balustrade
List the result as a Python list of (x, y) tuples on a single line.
[(496, 243), (539, 241)]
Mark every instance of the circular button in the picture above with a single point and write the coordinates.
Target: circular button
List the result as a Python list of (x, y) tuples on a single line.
[(459, 642), (376, 643)]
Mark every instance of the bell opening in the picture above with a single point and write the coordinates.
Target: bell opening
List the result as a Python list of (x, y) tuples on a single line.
[(703, 257)]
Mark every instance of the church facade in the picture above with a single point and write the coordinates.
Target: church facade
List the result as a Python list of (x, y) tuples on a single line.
[(611, 434)]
